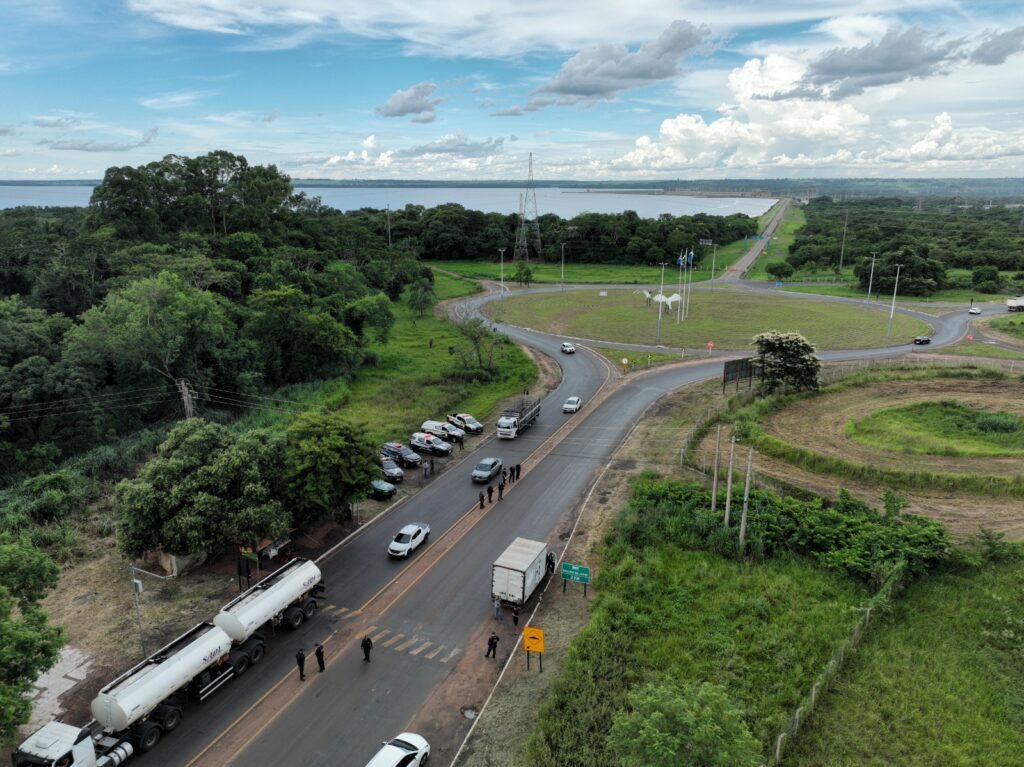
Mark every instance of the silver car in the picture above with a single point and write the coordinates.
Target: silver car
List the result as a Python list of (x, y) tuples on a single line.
[(486, 469)]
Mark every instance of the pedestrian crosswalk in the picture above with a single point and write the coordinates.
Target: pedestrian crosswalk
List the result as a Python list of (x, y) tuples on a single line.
[(416, 645)]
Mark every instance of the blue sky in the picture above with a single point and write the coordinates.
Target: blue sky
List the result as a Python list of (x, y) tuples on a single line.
[(465, 90)]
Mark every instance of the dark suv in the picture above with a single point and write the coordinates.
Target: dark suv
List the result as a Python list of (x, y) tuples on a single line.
[(402, 453)]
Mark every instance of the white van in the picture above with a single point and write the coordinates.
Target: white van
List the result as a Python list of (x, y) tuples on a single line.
[(430, 444), (444, 430)]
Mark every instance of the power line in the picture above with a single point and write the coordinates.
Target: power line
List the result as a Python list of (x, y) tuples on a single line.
[(98, 398), (90, 409), (253, 396), (243, 403)]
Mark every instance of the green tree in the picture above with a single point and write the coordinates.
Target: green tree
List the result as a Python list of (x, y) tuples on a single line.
[(482, 345), (779, 270), (329, 463), (523, 274), (26, 572), (672, 725), (421, 296), (370, 315), (787, 359), (205, 489)]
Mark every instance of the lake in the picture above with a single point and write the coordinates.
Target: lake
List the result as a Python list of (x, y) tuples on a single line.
[(566, 203)]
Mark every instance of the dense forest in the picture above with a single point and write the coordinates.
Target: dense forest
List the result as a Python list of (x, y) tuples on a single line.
[(926, 238)]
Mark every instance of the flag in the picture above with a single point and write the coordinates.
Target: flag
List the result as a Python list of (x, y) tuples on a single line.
[(679, 261), (689, 259)]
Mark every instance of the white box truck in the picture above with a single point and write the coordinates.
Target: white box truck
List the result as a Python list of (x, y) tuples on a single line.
[(518, 571), (1015, 304), (136, 709), (517, 419)]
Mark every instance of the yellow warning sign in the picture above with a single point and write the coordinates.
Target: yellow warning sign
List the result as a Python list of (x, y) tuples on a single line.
[(533, 639)]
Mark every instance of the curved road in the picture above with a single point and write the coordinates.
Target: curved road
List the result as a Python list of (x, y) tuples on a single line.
[(426, 614)]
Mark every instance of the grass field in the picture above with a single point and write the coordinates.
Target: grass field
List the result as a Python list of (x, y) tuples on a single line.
[(931, 686), (638, 360), (728, 318), (980, 349), (957, 295), (778, 248), (592, 274), (408, 384), (1011, 325), (943, 427)]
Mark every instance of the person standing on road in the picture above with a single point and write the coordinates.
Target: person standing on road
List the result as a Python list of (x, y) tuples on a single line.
[(511, 474), (431, 465), (300, 661), (481, 499), (497, 608), (462, 442), (515, 615), (490, 493), (501, 489), (319, 653), (551, 563), (426, 472), (504, 473), (492, 646), (519, 468), (367, 645)]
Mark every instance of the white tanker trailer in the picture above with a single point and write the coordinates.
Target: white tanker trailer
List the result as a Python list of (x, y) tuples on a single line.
[(136, 709)]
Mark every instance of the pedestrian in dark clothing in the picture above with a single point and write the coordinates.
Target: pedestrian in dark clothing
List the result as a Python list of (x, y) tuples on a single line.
[(462, 442), (490, 493), (551, 562), (431, 465), (426, 471), (319, 653), (300, 661), (504, 473), (501, 489), (511, 475), (367, 645), (492, 646), (519, 468), (497, 608), (481, 499), (515, 615)]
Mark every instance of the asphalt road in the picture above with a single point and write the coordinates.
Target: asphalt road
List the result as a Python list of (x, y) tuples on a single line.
[(438, 609)]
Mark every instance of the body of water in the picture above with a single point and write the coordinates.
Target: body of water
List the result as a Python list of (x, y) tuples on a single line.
[(562, 202)]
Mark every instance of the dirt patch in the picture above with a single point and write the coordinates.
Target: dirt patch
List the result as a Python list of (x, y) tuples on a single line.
[(549, 373)]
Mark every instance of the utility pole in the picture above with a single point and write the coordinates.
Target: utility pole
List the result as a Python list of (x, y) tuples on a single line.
[(842, 249), (679, 309), (661, 304), (689, 284), (892, 309), (501, 255), (871, 277), (136, 590), (714, 256), (728, 481), (746, 500), (714, 482), (186, 398), (563, 267)]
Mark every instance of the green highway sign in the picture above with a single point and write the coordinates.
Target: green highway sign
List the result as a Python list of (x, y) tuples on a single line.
[(575, 573)]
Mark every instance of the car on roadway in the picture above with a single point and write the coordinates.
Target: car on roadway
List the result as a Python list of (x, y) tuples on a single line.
[(407, 750), (974, 310), (391, 470), (921, 340), (466, 422), (381, 490), (486, 469), (408, 539), (568, 348), (402, 453), (572, 405)]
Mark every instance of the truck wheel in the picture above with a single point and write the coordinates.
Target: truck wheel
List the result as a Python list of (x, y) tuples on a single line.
[(147, 735), (293, 617), (309, 609), (255, 652), (239, 662), (168, 716)]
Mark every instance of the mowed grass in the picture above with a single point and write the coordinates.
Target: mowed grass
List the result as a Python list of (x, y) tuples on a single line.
[(931, 686), (1011, 325), (728, 318), (945, 427), (763, 631), (410, 382), (847, 290), (981, 349), (637, 360)]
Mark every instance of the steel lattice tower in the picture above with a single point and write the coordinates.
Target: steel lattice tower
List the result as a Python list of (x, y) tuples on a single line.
[(528, 221)]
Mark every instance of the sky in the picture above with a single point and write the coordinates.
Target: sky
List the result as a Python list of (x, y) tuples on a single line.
[(457, 89)]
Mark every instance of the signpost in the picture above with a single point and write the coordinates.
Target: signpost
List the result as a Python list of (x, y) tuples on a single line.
[(711, 345), (576, 574), (533, 641)]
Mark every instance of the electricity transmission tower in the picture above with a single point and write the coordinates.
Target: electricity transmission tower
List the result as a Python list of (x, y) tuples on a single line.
[(528, 223)]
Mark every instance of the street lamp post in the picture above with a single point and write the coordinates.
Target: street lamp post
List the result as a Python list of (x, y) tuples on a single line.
[(563, 267), (714, 256), (661, 304), (679, 309), (501, 255), (871, 277), (892, 309)]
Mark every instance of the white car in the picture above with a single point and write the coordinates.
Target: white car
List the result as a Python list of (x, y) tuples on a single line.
[(974, 310), (407, 750), (572, 405), (568, 348), (408, 538)]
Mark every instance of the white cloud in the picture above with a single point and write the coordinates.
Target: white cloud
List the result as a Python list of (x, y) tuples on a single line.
[(9, 152), (173, 100), (370, 142), (93, 145), (417, 100)]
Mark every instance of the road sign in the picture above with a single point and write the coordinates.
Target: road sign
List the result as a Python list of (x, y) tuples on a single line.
[(970, 338), (711, 344), (533, 639), (575, 573)]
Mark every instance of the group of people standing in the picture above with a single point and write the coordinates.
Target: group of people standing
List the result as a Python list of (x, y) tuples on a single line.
[(318, 653), (508, 475)]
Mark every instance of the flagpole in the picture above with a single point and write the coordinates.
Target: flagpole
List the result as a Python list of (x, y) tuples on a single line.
[(679, 309), (689, 279)]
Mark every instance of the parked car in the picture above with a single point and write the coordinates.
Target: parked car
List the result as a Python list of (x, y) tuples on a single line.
[(572, 405), (922, 340), (444, 430), (402, 453), (392, 471), (430, 444), (408, 539), (974, 310), (568, 348), (486, 469), (466, 422), (407, 750), (381, 490)]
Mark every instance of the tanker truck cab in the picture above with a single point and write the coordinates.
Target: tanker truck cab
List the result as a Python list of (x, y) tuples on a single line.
[(57, 745)]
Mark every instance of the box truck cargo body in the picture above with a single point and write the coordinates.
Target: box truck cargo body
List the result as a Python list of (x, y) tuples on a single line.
[(518, 571)]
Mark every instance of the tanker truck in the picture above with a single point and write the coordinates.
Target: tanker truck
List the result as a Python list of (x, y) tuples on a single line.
[(135, 710)]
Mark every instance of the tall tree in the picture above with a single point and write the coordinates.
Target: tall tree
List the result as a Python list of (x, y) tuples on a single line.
[(787, 359)]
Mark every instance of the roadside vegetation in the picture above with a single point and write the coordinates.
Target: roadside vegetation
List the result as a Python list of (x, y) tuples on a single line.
[(1012, 326), (980, 349)]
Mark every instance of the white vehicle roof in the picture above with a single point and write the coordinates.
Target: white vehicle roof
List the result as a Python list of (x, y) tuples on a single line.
[(390, 755), (520, 554), (248, 611), (51, 741)]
